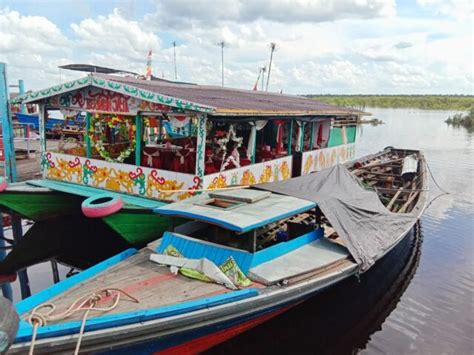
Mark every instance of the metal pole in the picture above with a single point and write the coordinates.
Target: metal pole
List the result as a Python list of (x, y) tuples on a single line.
[(175, 69), (7, 132), (87, 137), (264, 69), (42, 129), (54, 269), (290, 137), (21, 88), (272, 46), (138, 139), (222, 53), (6, 288), (23, 274)]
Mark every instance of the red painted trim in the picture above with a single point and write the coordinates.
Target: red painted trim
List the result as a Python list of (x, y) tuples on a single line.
[(143, 284), (201, 344)]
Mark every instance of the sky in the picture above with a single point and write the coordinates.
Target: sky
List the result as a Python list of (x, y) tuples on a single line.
[(322, 46)]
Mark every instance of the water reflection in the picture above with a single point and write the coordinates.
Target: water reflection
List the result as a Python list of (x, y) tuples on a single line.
[(341, 319)]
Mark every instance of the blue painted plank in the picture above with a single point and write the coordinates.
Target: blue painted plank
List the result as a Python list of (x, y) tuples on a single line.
[(283, 248), (31, 302), (228, 225), (194, 249), (116, 320)]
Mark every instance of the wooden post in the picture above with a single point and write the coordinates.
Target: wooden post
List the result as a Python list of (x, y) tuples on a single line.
[(7, 132), (138, 139), (290, 137), (311, 137), (87, 137), (201, 147)]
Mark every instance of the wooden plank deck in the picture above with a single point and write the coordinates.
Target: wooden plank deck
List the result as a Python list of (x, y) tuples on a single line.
[(152, 284)]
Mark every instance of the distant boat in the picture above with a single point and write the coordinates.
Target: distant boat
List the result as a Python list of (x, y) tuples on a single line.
[(33, 119), (236, 259)]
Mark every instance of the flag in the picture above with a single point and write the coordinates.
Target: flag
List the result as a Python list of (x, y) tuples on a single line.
[(255, 86), (148, 71)]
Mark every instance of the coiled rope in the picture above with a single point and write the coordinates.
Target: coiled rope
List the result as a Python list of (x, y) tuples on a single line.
[(44, 313)]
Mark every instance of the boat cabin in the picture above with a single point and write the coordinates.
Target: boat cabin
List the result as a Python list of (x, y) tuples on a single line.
[(265, 233), (165, 141)]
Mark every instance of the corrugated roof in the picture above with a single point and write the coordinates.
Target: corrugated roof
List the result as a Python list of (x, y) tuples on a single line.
[(229, 101)]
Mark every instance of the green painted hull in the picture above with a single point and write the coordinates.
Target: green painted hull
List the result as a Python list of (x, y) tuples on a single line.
[(138, 226), (135, 223), (40, 206)]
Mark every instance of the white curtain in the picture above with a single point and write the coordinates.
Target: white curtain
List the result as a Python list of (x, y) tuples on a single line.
[(256, 126), (298, 143)]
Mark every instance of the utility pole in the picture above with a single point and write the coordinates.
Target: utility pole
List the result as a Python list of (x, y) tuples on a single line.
[(222, 44), (175, 70), (264, 69), (272, 48)]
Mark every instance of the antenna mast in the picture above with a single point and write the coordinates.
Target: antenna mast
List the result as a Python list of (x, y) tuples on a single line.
[(272, 48), (264, 69), (175, 70), (222, 44)]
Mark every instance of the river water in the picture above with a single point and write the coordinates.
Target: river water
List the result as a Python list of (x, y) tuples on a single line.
[(418, 299)]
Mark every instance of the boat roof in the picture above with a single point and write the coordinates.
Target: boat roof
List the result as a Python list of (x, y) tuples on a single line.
[(216, 101), (252, 209)]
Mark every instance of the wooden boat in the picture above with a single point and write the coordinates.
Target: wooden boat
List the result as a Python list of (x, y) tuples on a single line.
[(259, 252), (151, 142)]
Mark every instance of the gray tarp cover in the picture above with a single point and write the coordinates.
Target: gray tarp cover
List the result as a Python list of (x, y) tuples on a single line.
[(367, 228)]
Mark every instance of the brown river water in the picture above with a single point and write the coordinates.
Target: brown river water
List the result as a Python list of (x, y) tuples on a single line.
[(419, 298)]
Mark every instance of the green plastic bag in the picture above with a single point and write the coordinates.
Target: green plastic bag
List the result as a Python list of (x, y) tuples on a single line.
[(231, 269)]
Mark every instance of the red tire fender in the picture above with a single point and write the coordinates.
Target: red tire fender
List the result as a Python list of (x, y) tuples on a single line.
[(101, 205)]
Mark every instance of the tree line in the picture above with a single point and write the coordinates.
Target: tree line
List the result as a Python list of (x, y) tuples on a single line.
[(429, 102)]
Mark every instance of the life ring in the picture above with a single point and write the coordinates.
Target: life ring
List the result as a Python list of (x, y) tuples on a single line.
[(3, 184), (101, 205)]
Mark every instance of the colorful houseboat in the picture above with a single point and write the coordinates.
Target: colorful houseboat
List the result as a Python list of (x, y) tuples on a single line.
[(154, 142)]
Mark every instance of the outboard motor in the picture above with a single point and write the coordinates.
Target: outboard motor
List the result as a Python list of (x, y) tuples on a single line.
[(8, 324)]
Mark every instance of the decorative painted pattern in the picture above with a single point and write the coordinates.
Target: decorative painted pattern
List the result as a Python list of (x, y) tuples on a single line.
[(273, 170), (121, 88), (125, 178), (319, 159)]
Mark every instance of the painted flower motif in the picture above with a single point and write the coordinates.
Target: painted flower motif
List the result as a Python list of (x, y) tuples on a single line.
[(285, 170), (248, 178)]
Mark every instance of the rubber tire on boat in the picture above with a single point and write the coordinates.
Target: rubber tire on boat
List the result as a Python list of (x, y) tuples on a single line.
[(8, 324), (3, 184), (101, 205)]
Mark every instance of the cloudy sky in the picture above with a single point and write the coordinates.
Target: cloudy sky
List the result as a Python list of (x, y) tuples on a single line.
[(323, 46)]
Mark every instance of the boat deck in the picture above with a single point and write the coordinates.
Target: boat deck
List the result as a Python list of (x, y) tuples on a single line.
[(153, 285)]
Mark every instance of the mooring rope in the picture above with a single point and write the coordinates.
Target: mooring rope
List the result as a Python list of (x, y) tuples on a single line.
[(444, 192), (42, 314)]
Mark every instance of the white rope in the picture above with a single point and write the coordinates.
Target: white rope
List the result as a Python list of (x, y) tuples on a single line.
[(88, 303)]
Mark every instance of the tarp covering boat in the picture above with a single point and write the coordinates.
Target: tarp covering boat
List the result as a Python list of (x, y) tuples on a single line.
[(366, 227)]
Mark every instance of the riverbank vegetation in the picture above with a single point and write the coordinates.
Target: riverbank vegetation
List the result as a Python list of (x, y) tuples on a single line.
[(465, 120), (430, 102)]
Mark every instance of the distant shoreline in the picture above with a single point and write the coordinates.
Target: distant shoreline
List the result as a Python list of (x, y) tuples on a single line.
[(428, 102)]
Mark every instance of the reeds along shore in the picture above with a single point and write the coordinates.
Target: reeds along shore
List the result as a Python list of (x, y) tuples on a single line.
[(465, 120)]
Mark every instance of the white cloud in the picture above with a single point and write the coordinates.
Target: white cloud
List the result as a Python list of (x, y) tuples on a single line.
[(177, 14), (359, 52)]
